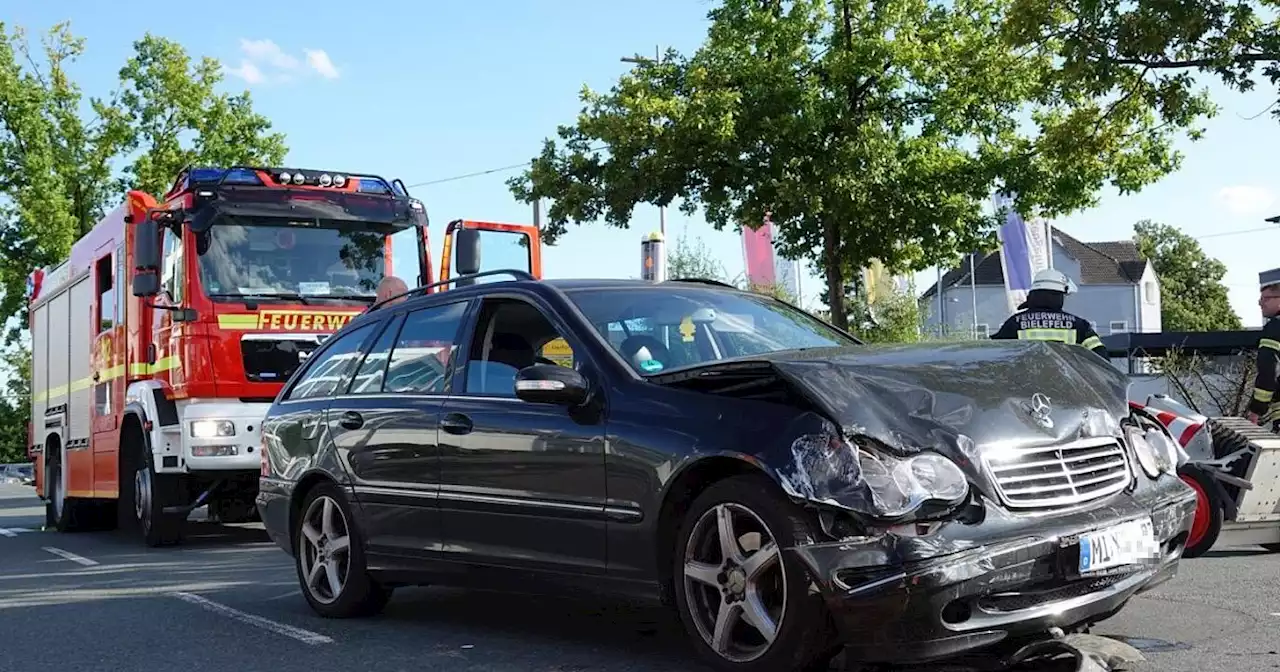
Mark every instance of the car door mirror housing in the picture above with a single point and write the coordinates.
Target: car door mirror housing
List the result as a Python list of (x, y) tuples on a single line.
[(551, 384)]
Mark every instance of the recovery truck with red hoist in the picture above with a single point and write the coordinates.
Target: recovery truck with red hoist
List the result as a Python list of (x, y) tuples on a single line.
[(146, 404)]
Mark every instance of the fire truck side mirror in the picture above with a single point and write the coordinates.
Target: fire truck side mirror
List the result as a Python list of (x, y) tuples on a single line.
[(468, 251), (146, 258)]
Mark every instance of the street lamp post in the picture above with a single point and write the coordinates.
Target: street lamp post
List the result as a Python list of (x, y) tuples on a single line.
[(657, 60)]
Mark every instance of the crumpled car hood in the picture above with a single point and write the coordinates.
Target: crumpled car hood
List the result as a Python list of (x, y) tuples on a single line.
[(956, 399), (910, 396)]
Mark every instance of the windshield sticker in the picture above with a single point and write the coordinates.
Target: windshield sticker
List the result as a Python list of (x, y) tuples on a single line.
[(313, 288), (651, 366), (687, 329)]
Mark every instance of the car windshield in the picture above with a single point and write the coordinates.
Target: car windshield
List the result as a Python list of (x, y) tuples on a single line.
[(268, 258), (667, 327)]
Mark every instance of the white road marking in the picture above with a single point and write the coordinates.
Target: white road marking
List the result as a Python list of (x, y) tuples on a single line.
[(304, 636), (68, 555), (8, 533)]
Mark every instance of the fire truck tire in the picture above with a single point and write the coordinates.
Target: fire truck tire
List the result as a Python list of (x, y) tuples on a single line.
[(151, 493), (324, 518), (62, 513)]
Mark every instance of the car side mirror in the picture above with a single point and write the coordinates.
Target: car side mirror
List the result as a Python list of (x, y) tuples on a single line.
[(551, 384)]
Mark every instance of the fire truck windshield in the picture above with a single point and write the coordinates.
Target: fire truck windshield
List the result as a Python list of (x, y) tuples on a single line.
[(267, 258)]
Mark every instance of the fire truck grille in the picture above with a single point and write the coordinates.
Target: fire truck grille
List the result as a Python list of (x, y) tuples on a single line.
[(273, 360), (1045, 478)]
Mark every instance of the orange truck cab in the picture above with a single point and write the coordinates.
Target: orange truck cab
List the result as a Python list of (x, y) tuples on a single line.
[(159, 344)]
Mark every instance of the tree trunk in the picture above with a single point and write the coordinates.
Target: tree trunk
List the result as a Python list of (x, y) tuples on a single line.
[(835, 274)]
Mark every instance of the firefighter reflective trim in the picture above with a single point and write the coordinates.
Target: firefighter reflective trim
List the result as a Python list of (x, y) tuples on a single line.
[(1063, 335), (1269, 343), (286, 320), (1091, 342), (1273, 414), (1262, 395)]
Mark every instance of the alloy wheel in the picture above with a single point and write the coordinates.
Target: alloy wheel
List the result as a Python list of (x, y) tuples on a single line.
[(734, 582), (325, 549)]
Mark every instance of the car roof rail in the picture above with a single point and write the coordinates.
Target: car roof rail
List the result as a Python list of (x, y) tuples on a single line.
[(704, 281), (519, 275)]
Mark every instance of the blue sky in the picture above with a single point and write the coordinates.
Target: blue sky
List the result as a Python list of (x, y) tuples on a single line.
[(425, 91)]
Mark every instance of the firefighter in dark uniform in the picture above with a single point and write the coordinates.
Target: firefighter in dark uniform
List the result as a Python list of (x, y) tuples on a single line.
[(1041, 317), (1263, 409)]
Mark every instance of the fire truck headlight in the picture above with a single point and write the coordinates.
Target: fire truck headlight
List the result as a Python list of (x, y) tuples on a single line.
[(212, 429)]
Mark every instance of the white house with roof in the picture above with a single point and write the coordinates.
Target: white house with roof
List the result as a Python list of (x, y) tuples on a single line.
[(1118, 290)]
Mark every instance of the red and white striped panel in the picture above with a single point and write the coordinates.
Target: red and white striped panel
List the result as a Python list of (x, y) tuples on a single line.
[(1182, 428)]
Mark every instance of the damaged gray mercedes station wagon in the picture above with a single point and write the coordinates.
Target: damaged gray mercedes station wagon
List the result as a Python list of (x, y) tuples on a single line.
[(789, 491)]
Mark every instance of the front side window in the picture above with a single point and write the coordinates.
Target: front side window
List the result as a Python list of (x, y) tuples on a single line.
[(268, 257), (657, 329), (511, 335), (332, 366), (419, 363)]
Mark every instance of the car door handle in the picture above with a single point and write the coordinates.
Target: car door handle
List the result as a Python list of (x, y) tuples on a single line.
[(456, 423), (351, 420)]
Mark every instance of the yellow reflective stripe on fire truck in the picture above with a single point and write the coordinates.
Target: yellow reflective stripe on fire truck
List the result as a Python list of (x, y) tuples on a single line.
[(107, 375), (163, 364), (242, 321)]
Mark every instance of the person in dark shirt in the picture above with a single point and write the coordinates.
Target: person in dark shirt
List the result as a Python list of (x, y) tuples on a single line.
[(1041, 317), (1263, 409)]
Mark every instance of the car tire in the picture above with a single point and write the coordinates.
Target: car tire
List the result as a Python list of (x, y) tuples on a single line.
[(334, 575), (712, 590), (1207, 524)]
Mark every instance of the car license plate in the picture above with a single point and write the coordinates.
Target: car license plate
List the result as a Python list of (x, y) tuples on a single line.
[(1124, 544)]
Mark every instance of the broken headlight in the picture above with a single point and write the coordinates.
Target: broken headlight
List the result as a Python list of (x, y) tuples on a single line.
[(900, 485), (1154, 448), (866, 479)]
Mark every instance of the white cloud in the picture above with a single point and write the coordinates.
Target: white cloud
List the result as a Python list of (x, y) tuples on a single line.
[(1246, 200), (268, 52), (246, 71), (265, 61), (319, 61)]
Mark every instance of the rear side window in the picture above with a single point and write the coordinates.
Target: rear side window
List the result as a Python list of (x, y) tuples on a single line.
[(332, 366), (373, 369), (424, 350)]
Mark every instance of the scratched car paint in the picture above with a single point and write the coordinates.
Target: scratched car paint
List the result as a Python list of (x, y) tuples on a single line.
[(938, 497)]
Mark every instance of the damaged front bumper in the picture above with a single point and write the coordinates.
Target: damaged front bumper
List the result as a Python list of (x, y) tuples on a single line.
[(899, 598)]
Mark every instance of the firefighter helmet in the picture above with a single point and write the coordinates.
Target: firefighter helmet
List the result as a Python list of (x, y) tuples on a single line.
[(1053, 280)]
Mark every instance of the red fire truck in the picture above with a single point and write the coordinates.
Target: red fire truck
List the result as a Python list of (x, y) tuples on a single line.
[(146, 404)]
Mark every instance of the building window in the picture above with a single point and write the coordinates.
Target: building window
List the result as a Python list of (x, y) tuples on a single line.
[(1150, 292), (1119, 327)]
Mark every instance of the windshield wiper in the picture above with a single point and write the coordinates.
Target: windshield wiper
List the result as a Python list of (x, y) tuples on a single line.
[(258, 296)]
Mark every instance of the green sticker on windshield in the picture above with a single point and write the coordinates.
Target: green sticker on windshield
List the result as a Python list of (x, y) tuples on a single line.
[(651, 366)]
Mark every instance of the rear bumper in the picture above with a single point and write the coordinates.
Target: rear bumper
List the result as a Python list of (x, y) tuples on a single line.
[(273, 501), (966, 587)]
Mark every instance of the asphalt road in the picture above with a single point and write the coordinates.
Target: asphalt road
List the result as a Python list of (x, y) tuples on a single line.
[(228, 600)]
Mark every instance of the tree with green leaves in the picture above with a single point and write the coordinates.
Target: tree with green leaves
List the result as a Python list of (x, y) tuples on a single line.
[(1145, 56), (15, 404), (1192, 295), (63, 163), (864, 130), (693, 259)]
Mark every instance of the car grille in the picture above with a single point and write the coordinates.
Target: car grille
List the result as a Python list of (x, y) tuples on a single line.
[(1059, 476)]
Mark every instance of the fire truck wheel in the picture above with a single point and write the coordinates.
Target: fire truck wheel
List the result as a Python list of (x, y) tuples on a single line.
[(151, 493), (62, 513), (329, 557)]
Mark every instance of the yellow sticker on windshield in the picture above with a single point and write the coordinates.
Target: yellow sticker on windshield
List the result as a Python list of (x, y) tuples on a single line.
[(687, 329)]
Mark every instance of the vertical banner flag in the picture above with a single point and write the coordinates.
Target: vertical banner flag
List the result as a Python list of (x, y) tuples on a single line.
[(1023, 252), (765, 266)]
